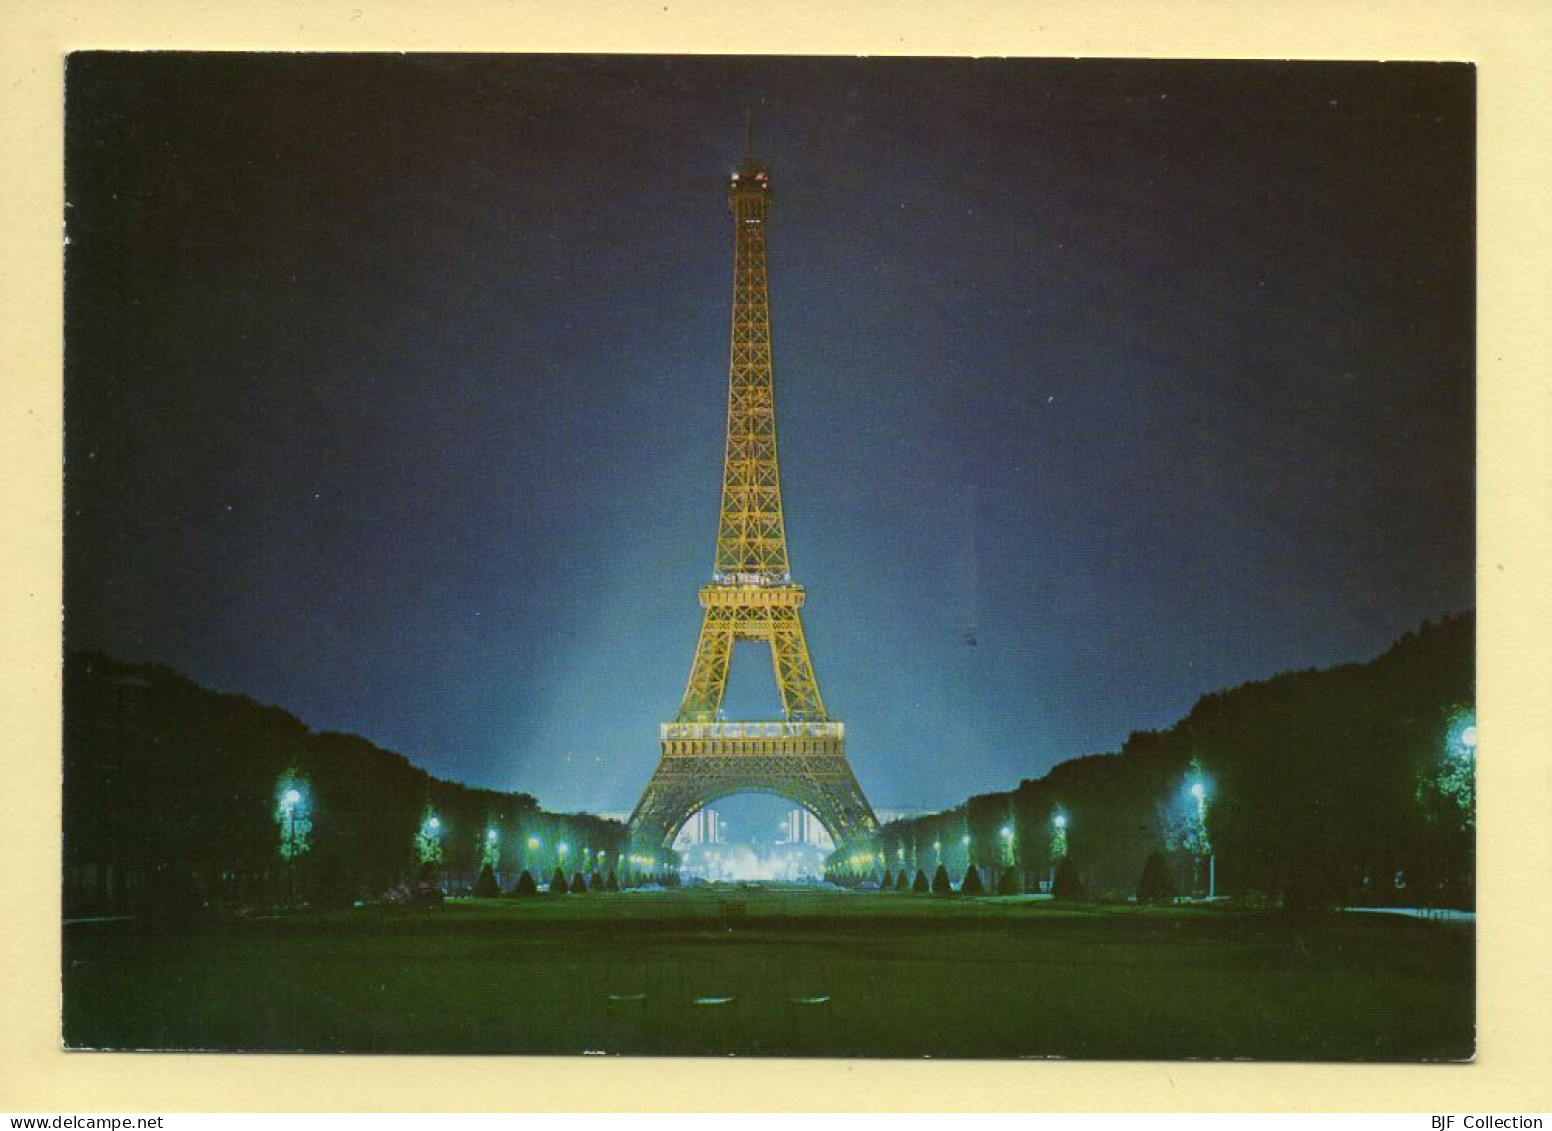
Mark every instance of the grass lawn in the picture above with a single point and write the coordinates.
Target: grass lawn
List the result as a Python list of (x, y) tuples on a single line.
[(777, 972)]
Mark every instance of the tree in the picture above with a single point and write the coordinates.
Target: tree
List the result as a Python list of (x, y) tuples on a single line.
[(920, 885), (578, 884), (1155, 884), (1009, 883), (293, 815), (971, 885), (941, 885), (485, 887), (526, 885), (428, 838), (613, 882), (558, 884), (428, 888), (887, 882), (334, 888), (595, 882), (901, 884), (1068, 884)]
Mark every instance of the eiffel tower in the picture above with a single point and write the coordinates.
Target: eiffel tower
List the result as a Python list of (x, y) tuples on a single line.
[(802, 756)]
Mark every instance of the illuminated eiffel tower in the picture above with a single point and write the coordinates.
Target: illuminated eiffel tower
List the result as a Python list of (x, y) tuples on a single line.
[(802, 756)]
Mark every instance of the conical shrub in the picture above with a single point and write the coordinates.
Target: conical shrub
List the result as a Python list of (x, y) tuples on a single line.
[(887, 882), (1068, 885), (1155, 885), (613, 882), (486, 887), (525, 884), (971, 884), (920, 885), (901, 884), (579, 884), (941, 884), (1009, 883), (595, 882), (558, 884)]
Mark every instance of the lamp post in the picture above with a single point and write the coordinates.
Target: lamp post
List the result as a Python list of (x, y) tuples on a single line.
[(292, 798), (1199, 791), (1058, 843)]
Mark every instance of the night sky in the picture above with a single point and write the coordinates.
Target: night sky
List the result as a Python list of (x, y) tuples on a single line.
[(396, 387)]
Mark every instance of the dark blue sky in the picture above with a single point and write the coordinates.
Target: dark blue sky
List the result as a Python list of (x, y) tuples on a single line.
[(395, 389)]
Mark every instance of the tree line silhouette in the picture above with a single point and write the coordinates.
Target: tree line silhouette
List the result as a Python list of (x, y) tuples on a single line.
[(177, 796), (1353, 784)]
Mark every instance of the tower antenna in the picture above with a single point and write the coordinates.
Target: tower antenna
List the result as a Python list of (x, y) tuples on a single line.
[(749, 130)]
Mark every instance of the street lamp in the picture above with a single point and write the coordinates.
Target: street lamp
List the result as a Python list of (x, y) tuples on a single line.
[(1058, 843), (289, 802), (1199, 791)]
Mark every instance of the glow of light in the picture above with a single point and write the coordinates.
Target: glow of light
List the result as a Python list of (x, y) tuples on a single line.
[(563, 848), (1007, 832), (533, 842), (1060, 820), (1198, 791), (1468, 737), (293, 796), (435, 822), (965, 840), (490, 835)]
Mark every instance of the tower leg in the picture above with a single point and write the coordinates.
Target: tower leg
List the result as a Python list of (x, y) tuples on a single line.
[(708, 675), (794, 670)]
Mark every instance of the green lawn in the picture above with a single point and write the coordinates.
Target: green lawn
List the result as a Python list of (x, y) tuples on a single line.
[(904, 976)]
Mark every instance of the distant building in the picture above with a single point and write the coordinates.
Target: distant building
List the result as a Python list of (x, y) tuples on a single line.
[(905, 813), (802, 827), (704, 827)]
